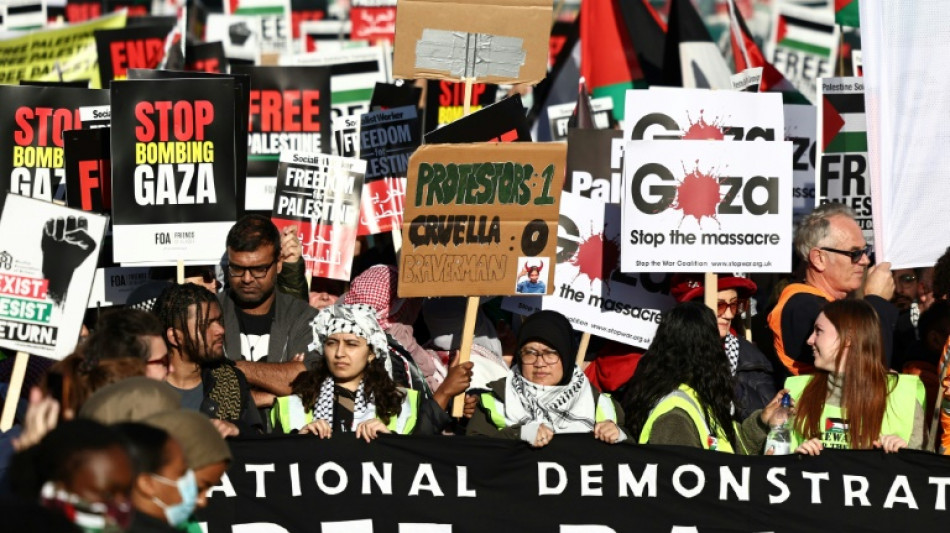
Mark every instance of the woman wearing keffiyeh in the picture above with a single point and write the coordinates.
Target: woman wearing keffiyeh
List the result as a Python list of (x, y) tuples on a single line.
[(545, 393), (351, 390)]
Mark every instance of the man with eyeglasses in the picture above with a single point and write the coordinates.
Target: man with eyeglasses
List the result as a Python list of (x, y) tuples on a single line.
[(837, 264), (266, 331)]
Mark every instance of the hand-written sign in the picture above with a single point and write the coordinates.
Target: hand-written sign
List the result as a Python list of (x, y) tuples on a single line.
[(473, 210)]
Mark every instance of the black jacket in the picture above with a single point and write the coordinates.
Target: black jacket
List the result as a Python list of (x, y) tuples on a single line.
[(227, 396), (756, 382)]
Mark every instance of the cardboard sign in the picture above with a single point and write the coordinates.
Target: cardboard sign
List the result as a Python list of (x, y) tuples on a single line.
[(445, 101), (125, 48), (32, 123), (173, 169), (843, 174), (320, 195), (559, 116), (589, 288), (387, 139), (801, 130), (707, 206), (803, 45), (289, 111), (373, 20), (88, 170), (477, 215), (503, 121), (354, 74), (664, 113), (492, 41), (206, 57), (47, 262)]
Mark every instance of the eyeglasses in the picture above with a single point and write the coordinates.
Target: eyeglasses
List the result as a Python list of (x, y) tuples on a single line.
[(737, 306), (529, 357), (907, 278), (237, 271), (164, 361), (855, 255)]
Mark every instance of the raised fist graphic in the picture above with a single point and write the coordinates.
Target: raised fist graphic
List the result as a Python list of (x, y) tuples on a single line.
[(65, 244)]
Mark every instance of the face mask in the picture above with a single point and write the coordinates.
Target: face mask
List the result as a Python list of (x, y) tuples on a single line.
[(179, 513), (91, 517)]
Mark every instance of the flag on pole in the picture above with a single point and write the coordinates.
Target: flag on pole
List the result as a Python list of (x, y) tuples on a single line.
[(608, 61), (846, 13), (690, 58), (583, 115), (646, 29)]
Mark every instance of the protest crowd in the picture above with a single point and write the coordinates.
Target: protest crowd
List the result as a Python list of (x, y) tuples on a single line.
[(246, 276)]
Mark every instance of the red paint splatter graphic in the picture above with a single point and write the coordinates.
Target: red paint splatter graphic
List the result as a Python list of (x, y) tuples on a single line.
[(698, 195), (702, 130), (597, 257)]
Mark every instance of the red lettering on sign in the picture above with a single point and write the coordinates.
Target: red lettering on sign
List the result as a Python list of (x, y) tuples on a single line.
[(292, 110), (36, 125), (188, 120)]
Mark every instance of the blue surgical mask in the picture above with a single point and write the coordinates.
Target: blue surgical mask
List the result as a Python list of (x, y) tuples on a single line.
[(179, 513)]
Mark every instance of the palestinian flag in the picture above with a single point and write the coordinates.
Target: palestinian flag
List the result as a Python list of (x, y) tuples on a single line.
[(843, 123), (608, 61), (846, 13), (690, 57), (23, 15), (646, 29), (805, 35)]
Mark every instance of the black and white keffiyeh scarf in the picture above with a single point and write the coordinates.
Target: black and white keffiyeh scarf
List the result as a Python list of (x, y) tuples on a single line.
[(732, 352), (566, 408), (323, 410), (358, 319)]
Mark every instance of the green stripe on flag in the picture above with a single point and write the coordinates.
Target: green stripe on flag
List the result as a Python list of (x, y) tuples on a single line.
[(849, 15), (263, 10), (352, 95), (794, 97), (263, 157), (848, 141), (618, 93), (806, 47)]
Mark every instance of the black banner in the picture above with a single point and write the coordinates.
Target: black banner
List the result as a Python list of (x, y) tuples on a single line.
[(300, 483), (88, 170), (503, 122), (125, 48), (445, 101), (32, 123)]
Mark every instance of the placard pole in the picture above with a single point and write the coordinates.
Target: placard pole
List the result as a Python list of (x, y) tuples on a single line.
[(13, 391)]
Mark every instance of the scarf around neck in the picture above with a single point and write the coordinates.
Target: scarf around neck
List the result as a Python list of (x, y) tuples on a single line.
[(565, 408)]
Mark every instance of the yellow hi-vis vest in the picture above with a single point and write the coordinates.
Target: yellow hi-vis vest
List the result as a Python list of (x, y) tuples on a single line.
[(898, 415), (289, 414), (685, 398), (605, 409)]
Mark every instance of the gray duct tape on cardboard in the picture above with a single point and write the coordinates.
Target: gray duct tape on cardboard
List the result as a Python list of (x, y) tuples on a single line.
[(470, 55)]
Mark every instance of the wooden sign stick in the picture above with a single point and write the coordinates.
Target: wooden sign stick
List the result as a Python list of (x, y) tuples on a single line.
[(13, 392), (711, 291), (180, 276), (582, 350)]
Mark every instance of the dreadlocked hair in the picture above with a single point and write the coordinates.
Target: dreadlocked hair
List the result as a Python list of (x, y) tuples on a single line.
[(686, 350), (173, 309), (378, 387)]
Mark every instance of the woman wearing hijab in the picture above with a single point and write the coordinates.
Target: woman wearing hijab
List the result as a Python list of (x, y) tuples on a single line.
[(545, 393), (851, 401), (755, 378), (683, 392), (351, 389)]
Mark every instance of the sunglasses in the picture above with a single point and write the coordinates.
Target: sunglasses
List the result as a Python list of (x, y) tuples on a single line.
[(737, 306), (855, 255)]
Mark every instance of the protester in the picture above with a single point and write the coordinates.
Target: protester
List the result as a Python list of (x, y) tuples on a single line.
[(941, 277), (325, 292), (266, 330), (445, 318), (207, 381), (851, 402), (164, 491), (924, 355), (351, 390), (545, 393), (755, 378), (683, 392), (836, 256), (130, 400)]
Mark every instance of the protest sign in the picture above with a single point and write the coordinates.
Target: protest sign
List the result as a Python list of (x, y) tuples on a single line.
[(135, 8), (801, 130), (389, 95), (476, 214), (707, 206), (240, 36), (490, 41), (354, 74), (125, 48), (78, 11), (843, 149), (559, 116), (32, 122), (63, 54), (22, 15), (373, 20), (327, 36), (803, 45), (88, 170), (320, 195), (663, 113), (595, 164), (305, 11), (273, 18), (387, 139), (445, 101), (346, 136), (206, 57), (589, 288), (289, 110), (47, 262), (173, 186), (113, 285), (502, 121), (572, 485)]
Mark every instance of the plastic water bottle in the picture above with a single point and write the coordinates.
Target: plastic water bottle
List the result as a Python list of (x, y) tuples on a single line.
[(780, 436)]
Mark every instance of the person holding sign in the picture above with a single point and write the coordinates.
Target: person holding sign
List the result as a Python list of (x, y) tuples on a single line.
[(545, 393), (684, 394), (851, 401), (755, 380), (351, 389)]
